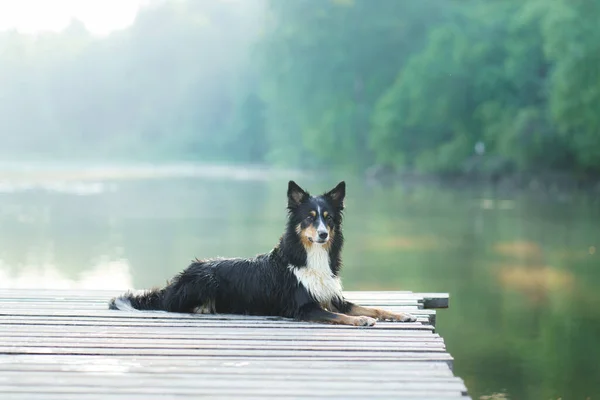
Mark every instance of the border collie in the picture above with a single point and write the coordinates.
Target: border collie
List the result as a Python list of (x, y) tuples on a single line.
[(298, 279)]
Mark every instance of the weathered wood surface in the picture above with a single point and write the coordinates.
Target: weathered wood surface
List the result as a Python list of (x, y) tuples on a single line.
[(57, 344)]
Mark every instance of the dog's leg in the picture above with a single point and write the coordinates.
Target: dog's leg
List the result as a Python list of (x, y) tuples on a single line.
[(352, 309), (314, 313), (382, 315)]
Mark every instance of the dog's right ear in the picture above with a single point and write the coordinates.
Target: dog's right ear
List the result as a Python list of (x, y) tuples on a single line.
[(296, 195)]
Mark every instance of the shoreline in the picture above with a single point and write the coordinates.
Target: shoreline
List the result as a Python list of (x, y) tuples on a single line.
[(550, 183), (545, 182)]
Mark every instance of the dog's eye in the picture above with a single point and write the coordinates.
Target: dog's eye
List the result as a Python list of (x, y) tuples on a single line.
[(310, 218)]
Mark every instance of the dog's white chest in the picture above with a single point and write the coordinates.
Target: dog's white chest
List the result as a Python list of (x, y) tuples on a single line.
[(317, 277)]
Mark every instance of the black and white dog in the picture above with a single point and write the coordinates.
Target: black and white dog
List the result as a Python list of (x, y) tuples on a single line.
[(298, 279)]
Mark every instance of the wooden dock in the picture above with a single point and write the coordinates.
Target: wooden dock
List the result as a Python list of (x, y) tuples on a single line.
[(68, 345)]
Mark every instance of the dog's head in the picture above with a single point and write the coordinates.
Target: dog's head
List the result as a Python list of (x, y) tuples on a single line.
[(316, 218)]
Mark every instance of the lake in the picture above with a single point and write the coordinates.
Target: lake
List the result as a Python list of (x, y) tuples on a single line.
[(523, 270)]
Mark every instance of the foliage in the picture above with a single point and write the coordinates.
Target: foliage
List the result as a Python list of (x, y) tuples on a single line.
[(336, 83)]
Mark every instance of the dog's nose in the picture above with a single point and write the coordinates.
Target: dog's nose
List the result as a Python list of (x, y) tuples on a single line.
[(323, 235)]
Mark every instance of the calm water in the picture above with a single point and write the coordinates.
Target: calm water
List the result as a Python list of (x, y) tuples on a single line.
[(523, 271)]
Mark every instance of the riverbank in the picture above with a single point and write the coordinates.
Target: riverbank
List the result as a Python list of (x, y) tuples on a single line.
[(547, 183), (29, 175)]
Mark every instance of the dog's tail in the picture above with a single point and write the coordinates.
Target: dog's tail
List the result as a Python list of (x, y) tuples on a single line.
[(142, 300)]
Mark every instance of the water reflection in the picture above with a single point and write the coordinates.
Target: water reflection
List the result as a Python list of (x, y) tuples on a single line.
[(104, 275), (523, 273)]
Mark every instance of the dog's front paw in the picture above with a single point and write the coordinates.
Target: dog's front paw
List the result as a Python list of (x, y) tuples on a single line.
[(363, 321), (400, 317)]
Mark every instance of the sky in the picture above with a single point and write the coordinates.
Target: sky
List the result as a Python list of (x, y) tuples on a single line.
[(99, 16)]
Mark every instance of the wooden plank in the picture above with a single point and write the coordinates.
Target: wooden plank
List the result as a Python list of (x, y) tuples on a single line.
[(137, 339), (190, 383), (437, 300), (68, 336), (423, 319), (430, 300), (225, 390), (167, 345), (415, 374), (358, 335), (193, 331), (155, 320), (224, 324), (418, 375), (296, 374), (123, 363), (230, 351), (238, 387)]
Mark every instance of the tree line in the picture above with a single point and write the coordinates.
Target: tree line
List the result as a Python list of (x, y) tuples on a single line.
[(441, 86)]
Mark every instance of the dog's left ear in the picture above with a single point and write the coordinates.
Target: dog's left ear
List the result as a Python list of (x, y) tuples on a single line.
[(337, 195)]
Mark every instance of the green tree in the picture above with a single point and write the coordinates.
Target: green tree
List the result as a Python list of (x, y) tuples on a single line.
[(335, 83), (325, 65), (572, 44)]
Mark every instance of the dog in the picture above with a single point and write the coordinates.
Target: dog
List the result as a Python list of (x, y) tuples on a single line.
[(298, 279)]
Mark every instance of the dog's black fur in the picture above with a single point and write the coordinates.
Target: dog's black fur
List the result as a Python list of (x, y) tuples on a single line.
[(275, 283)]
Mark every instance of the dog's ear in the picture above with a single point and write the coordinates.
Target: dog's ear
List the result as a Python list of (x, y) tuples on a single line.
[(296, 195), (337, 195)]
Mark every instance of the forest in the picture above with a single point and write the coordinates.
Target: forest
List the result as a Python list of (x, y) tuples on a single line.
[(433, 86)]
